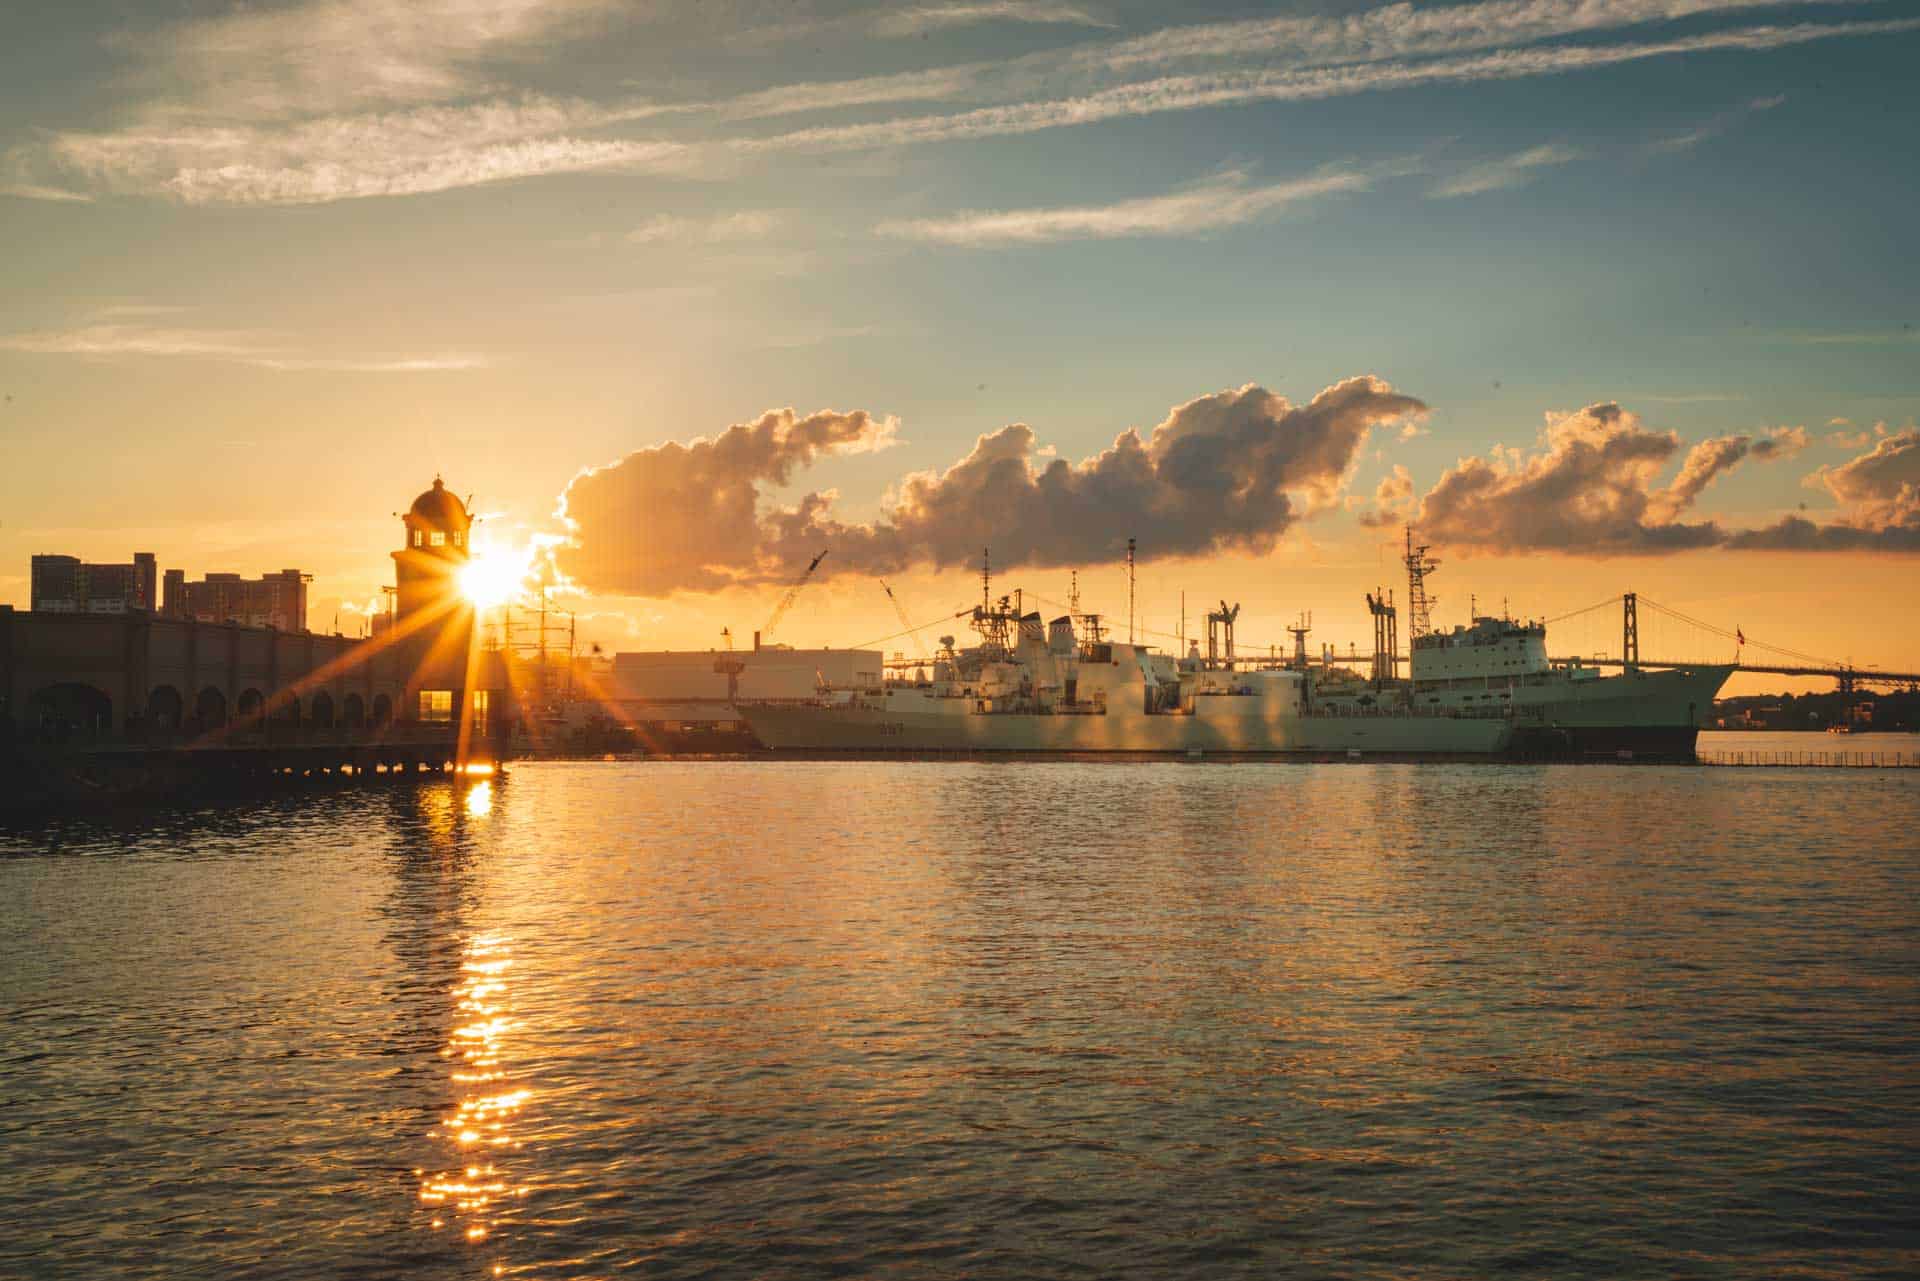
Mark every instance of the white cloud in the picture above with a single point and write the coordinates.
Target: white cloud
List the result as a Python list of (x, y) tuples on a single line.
[(920, 19), (748, 224), (341, 99), (36, 191), (246, 347), (406, 152), (1233, 88), (1711, 129), (1515, 170), (1226, 201), (334, 55), (1401, 30)]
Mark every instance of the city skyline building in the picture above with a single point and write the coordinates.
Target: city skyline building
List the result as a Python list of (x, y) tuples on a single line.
[(271, 600), (69, 585)]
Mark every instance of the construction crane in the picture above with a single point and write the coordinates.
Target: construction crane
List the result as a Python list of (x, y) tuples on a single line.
[(786, 602), (901, 611)]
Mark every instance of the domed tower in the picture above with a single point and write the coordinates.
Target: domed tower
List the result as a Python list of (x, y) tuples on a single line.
[(427, 569)]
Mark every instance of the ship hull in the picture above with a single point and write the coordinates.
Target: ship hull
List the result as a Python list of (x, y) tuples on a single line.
[(1640, 715), (875, 729)]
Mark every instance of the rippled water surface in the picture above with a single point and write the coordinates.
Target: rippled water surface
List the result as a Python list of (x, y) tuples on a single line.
[(941, 1019)]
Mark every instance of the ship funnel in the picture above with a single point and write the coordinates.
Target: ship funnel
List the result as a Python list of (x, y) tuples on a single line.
[(1060, 635)]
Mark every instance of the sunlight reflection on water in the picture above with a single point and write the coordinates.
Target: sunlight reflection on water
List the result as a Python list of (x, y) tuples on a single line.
[(933, 1019)]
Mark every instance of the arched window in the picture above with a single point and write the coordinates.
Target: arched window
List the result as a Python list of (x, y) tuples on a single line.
[(456, 538), (418, 538), (439, 538)]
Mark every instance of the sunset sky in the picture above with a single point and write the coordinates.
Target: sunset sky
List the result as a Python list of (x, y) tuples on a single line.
[(1609, 294)]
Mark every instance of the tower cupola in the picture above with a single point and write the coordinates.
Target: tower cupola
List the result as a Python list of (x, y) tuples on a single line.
[(438, 523)]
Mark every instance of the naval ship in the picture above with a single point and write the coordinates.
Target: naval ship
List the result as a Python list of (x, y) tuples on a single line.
[(1057, 689), (1486, 690)]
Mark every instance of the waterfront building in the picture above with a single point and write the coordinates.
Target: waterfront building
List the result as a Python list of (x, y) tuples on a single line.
[(433, 623), (131, 672), (69, 585), (272, 600)]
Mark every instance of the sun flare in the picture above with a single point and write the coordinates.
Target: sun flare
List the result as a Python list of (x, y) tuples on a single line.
[(495, 575)]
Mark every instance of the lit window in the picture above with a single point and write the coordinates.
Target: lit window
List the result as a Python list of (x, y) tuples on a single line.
[(438, 538), (418, 538), (436, 705), (456, 538)]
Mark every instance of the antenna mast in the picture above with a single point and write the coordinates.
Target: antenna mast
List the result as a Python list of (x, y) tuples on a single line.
[(1301, 630), (1130, 591), (1419, 604)]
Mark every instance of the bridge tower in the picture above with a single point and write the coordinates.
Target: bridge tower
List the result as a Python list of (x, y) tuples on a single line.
[(1630, 631)]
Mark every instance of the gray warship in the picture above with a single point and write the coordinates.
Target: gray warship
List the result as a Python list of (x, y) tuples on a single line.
[(1483, 691)]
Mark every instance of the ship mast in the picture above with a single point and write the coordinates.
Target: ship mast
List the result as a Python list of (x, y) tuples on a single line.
[(1419, 604)]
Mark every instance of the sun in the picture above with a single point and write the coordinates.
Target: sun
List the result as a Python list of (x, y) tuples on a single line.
[(495, 575)]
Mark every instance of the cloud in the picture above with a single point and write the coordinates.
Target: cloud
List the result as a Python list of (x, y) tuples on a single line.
[(921, 19), (1589, 490), (675, 517), (38, 191), (1225, 472), (408, 152), (1515, 170), (1393, 501), (1241, 87), (747, 224), (1226, 201), (1720, 124), (1401, 30), (1781, 442), (110, 341), (1879, 494), (333, 55), (345, 99)]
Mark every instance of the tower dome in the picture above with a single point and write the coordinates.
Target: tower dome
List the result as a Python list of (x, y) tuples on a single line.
[(438, 506), (438, 522)]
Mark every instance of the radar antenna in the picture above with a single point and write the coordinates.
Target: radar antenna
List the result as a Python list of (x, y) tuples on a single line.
[(1419, 604)]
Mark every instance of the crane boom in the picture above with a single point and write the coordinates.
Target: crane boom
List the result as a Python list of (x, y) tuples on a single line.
[(901, 611), (793, 592)]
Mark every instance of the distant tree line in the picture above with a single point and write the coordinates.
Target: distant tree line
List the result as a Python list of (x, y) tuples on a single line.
[(1873, 710)]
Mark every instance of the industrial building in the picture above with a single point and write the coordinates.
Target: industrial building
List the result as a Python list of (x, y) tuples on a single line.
[(773, 673)]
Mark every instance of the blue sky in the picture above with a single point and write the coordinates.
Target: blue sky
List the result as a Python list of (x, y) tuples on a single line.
[(274, 266)]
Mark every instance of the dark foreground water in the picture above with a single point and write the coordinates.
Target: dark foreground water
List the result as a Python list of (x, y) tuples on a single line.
[(1034, 1020)]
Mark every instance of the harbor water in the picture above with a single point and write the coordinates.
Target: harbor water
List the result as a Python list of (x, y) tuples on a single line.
[(753, 1019)]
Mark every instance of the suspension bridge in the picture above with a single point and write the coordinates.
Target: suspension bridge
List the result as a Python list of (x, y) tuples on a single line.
[(1681, 632)]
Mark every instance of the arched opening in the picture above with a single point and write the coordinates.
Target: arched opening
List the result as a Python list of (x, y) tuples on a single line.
[(210, 709), (320, 711), (165, 708), (70, 708), (382, 710), (250, 709), (353, 711), (286, 711)]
